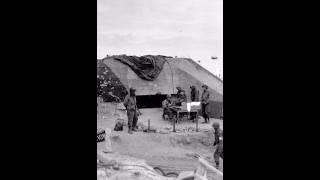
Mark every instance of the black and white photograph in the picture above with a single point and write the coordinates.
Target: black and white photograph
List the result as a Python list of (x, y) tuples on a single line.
[(160, 89)]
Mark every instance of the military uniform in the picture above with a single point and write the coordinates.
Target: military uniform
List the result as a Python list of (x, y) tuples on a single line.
[(205, 97), (181, 97), (218, 142), (130, 103), (166, 110), (194, 94)]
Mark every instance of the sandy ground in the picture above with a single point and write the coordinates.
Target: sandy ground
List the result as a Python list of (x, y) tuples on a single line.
[(167, 151), (154, 115)]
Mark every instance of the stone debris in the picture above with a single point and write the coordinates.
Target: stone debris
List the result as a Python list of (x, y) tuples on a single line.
[(116, 166)]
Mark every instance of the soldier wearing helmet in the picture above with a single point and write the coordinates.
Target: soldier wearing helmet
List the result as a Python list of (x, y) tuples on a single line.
[(130, 103), (218, 142), (205, 98), (166, 104), (181, 96)]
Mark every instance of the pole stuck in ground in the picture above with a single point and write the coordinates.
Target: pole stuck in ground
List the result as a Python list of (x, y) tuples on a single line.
[(197, 129), (174, 124)]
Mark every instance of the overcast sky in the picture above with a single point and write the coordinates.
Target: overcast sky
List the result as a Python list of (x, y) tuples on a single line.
[(184, 28)]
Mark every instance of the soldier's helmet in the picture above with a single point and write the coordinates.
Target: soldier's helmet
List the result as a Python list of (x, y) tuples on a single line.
[(205, 86), (216, 125), (132, 90)]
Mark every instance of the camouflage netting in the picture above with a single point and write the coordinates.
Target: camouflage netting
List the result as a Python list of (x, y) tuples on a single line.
[(146, 67), (109, 87)]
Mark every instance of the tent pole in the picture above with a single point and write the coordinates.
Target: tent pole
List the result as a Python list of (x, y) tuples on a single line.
[(171, 75)]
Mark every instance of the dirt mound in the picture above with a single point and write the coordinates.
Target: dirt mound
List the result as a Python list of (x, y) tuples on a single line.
[(156, 144)]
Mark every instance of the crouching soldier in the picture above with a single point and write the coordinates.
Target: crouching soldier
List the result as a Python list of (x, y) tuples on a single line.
[(166, 104), (181, 96), (218, 142)]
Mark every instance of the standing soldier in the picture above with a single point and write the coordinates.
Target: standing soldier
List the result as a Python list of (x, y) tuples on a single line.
[(183, 96), (218, 142), (194, 94), (205, 97), (179, 90), (130, 103)]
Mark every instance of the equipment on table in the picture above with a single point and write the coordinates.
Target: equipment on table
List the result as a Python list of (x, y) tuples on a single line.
[(190, 107)]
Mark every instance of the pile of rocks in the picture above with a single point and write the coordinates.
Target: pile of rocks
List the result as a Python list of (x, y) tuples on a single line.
[(112, 166)]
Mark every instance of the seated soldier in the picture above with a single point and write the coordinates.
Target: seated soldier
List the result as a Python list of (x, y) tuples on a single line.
[(181, 96), (166, 104)]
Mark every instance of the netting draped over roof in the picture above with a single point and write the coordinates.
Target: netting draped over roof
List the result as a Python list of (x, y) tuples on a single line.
[(146, 67)]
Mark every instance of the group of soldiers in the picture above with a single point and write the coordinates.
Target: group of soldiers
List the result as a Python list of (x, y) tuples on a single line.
[(133, 112), (169, 102)]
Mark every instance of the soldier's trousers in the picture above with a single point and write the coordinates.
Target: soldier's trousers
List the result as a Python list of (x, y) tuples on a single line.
[(132, 118), (205, 112), (167, 111), (218, 153)]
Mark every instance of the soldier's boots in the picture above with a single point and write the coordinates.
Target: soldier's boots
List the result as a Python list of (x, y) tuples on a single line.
[(217, 165), (206, 121), (134, 129)]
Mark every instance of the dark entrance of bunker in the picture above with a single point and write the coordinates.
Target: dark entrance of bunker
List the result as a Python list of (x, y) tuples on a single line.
[(150, 101)]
